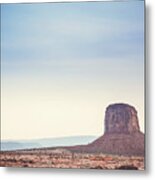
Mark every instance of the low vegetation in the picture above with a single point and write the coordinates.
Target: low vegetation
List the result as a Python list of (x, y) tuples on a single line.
[(61, 158)]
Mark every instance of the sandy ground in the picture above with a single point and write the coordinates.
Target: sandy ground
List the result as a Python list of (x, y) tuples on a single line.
[(61, 158)]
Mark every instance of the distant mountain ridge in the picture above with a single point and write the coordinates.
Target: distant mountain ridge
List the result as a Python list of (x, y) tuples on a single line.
[(9, 145)]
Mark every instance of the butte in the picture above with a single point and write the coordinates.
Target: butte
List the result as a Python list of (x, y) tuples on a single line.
[(122, 135)]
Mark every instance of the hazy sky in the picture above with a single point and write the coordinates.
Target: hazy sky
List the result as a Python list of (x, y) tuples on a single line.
[(64, 63)]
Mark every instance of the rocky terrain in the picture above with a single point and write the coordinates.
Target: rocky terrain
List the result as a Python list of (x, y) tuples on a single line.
[(62, 158), (120, 147)]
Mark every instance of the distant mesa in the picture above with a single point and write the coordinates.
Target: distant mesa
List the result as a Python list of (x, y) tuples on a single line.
[(122, 134)]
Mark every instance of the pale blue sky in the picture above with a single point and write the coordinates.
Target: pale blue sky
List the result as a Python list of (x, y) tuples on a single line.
[(54, 54)]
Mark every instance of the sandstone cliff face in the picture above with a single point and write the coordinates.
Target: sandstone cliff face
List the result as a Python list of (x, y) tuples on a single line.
[(121, 118), (122, 134)]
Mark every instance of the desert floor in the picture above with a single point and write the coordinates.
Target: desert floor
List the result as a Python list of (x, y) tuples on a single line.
[(60, 158)]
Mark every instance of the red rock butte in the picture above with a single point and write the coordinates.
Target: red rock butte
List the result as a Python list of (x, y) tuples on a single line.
[(121, 118), (122, 134)]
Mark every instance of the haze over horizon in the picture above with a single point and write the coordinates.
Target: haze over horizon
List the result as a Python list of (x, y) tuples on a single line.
[(62, 64)]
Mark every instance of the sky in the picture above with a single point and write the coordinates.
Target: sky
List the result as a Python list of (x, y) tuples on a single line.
[(62, 64)]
